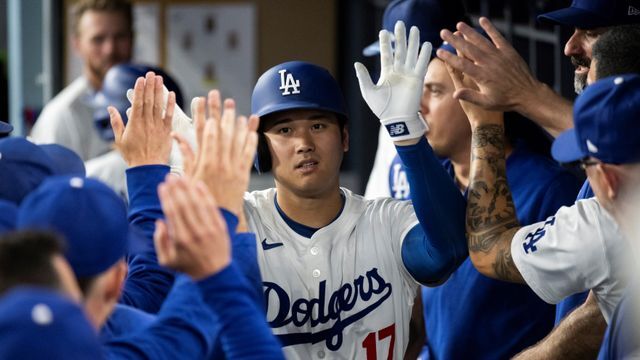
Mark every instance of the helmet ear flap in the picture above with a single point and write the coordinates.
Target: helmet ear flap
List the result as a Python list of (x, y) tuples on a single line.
[(262, 161)]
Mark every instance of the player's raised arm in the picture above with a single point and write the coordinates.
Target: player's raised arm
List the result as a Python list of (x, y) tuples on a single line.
[(491, 220), (504, 80), (433, 250)]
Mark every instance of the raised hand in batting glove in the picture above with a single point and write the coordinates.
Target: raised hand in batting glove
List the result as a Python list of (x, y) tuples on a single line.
[(395, 99)]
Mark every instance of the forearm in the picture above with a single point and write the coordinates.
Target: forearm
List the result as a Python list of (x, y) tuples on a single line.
[(491, 214), (547, 109), (439, 207), (578, 336), (147, 282)]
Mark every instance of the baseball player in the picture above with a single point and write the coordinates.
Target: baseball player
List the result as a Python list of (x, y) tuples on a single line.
[(577, 249), (339, 272), (540, 187), (518, 90), (103, 37)]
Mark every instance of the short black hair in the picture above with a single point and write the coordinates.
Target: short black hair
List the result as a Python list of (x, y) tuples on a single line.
[(26, 258), (617, 51)]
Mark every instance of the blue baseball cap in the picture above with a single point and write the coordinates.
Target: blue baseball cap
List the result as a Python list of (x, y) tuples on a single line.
[(5, 128), (24, 165), (606, 117), (36, 323), (90, 216), (8, 213), (429, 16), (589, 14), (64, 161)]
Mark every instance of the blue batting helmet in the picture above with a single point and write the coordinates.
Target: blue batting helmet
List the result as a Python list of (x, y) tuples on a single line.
[(294, 85), (116, 82)]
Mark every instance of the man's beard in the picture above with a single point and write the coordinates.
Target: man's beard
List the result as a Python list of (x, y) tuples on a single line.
[(580, 80)]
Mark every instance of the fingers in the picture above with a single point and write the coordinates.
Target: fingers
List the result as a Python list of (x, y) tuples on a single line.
[(239, 138), (497, 38), (214, 101), (188, 156), (227, 128), (138, 101), (475, 38), (171, 105), (251, 143), (364, 79), (458, 63), (148, 95), (158, 98), (459, 43), (400, 49), (116, 123), (412, 48), (456, 77), (472, 96), (199, 118), (386, 56), (423, 60)]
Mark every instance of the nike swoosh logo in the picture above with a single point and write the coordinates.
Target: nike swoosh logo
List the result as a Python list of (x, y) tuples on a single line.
[(266, 246)]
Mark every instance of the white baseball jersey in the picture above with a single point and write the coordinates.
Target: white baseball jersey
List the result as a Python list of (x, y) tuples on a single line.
[(68, 120), (109, 168), (578, 249), (378, 184), (344, 293)]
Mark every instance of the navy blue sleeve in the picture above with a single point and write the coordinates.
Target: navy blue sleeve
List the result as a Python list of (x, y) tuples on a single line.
[(435, 248), (147, 282), (185, 328), (244, 332), (245, 255)]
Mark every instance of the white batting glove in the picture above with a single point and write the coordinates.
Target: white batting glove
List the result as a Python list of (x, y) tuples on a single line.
[(181, 124), (395, 99)]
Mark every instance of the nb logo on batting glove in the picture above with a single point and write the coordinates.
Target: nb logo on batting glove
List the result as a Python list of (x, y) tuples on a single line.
[(288, 84), (397, 129)]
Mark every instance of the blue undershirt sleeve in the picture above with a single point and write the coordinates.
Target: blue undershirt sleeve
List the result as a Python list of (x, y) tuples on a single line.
[(147, 283), (244, 332), (434, 249)]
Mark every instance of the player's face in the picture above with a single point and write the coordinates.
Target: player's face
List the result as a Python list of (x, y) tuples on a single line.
[(578, 48), (103, 40), (449, 129), (306, 148)]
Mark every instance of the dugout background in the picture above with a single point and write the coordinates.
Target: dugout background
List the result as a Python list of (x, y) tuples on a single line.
[(331, 33)]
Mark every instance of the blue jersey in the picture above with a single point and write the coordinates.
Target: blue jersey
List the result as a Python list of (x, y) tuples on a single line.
[(470, 308)]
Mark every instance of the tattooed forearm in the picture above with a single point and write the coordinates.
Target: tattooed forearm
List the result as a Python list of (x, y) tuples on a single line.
[(491, 216)]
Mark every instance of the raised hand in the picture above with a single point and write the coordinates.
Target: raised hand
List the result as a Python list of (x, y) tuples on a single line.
[(146, 139), (226, 149), (395, 99), (502, 76), (193, 238)]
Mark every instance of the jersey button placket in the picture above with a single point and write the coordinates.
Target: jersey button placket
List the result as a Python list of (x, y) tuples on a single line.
[(314, 251), (321, 354), (315, 273)]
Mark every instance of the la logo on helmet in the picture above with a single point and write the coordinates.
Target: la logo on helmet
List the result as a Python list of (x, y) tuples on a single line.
[(288, 84)]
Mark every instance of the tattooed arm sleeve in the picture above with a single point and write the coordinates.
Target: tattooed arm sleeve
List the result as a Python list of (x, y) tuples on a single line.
[(491, 215)]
